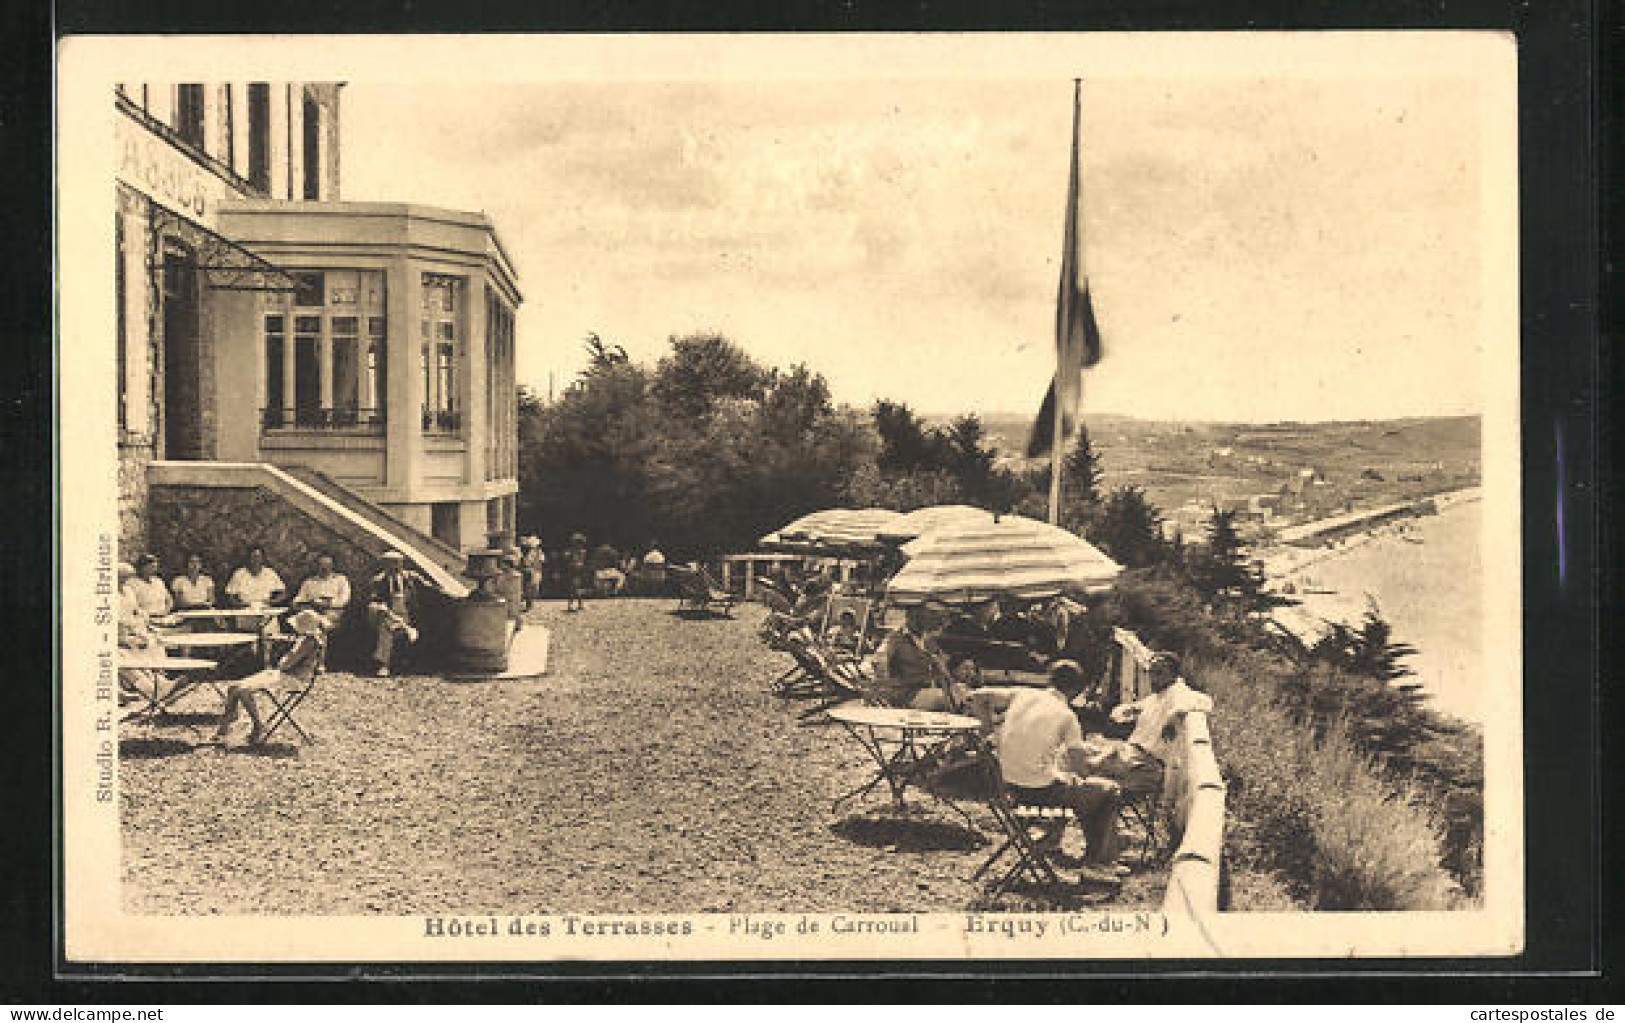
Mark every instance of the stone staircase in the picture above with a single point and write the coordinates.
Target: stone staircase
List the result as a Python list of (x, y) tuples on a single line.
[(447, 556)]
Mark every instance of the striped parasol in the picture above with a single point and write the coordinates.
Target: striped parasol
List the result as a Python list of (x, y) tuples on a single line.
[(835, 527), (921, 521), (969, 561)]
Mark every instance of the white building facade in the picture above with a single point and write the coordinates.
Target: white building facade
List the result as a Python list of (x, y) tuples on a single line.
[(262, 319)]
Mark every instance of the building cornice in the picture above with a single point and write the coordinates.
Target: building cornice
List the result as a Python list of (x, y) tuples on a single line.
[(496, 256)]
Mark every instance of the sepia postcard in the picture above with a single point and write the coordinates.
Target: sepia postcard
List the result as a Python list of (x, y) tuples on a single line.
[(922, 497)]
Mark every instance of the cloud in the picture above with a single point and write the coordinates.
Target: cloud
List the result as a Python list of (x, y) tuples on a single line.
[(1252, 244)]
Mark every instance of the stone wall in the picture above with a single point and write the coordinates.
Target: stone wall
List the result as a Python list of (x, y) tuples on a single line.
[(132, 499), (223, 523)]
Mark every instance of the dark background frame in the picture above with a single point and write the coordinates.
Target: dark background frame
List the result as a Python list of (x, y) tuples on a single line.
[(1566, 380)]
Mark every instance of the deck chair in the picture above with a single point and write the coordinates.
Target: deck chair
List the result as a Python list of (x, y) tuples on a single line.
[(285, 704), (824, 676), (697, 592), (862, 610)]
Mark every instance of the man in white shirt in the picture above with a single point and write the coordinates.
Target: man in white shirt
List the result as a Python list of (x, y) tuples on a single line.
[(256, 584), (1034, 740), (327, 593), (1137, 763)]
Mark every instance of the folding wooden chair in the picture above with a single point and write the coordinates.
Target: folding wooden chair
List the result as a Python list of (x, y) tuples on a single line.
[(1025, 833), (285, 704)]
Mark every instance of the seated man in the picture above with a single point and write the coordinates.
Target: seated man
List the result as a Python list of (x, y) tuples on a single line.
[(327, 593), (392, 608), (256, 584), (1038, 732), (293, 670), (149, 590), (1137, 762)]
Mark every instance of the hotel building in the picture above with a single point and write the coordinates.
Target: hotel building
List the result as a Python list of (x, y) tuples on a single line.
[(365, 350)]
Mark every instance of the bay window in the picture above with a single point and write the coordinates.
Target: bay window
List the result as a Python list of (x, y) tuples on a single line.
[(317, 374)]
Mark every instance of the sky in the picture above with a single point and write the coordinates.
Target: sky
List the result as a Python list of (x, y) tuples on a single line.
[(1258, 247)]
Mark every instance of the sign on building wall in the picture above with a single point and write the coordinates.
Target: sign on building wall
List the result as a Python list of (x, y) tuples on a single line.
[(166, 175)]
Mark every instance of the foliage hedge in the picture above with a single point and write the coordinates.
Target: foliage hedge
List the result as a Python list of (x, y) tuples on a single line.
[(1346, 786)]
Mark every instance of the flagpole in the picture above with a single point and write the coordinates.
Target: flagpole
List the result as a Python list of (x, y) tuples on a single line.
[(1057, 456)]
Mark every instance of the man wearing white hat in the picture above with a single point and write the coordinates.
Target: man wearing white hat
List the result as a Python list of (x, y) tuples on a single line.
[(392, 609)]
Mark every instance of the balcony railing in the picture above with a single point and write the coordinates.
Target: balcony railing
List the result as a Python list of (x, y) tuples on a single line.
[(445, 420), (346, 417)]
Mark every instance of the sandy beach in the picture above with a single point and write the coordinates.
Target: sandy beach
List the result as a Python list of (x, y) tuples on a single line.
[(1426, 577)]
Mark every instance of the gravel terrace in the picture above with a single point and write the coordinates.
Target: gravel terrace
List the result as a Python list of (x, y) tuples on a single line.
[(648, 771)]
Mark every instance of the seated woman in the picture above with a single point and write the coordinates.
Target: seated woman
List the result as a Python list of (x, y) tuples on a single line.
[(149, 590), (293, 670), (952, 691), (135, 632), (195, 589), (909, 663), (845, 634)]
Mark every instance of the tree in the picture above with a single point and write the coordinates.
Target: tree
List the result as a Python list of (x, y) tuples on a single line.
[(1369, 651), (700, 370), (905, 443), (602, 356), (1223, 568), (968, 457), (1081, 476), (583, 460), (1129, 528)]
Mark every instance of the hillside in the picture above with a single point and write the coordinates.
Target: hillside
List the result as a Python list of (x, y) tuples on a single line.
[(1299, 470)]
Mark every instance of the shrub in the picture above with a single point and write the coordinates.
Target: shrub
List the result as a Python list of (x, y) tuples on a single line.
[(1315, 810), (1378, 845), (1439, 757)]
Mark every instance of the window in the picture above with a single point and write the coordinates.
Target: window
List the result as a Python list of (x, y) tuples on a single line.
[(313, 149), (307, 370), (322, 377), (275, 366), (189, 113), (259, 135), (440, 338), (500, 397)]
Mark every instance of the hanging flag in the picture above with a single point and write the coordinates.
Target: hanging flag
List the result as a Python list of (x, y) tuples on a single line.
[(1077, 336)]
